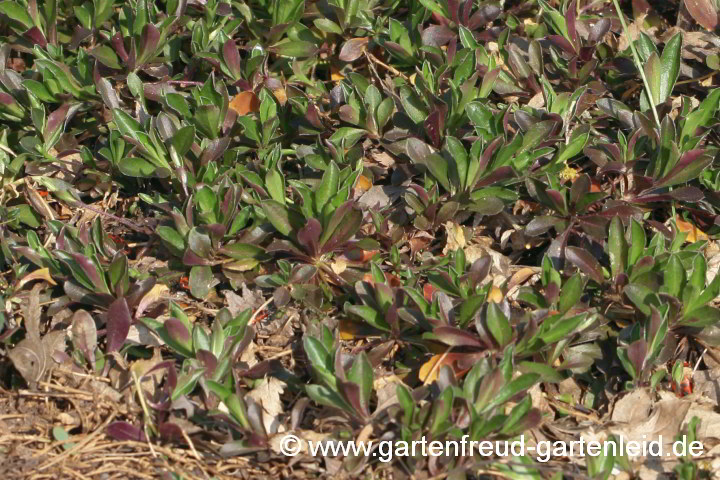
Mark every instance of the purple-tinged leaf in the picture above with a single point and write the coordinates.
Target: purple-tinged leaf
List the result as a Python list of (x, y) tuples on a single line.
[(56, 119), (488, 153), (125, 431), (190, 258), (118, 324), (231, 56), (349, 226), (497, 175), (302, 274), (562, 43), (149, 40), (6, 99), (353, 49), (435, 126), (36, 37), (89, 269), (690, 165), (281, 245), (437, 35), (704, 12), (571, 22), (84, 334), (683, 194), (579, 188), (309, 236), (119, 46), (485, 14), (636, 354), (623, 211), (456, 337), (586, 262), (598, 30), (214, 150), (542, 224), (170, 431), (397, 48), (208, 361), (177, 331)]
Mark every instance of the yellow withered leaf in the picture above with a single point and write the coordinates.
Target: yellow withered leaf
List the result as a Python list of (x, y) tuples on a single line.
[(39, 274), (245, 102), (694, 233), (495, 295)]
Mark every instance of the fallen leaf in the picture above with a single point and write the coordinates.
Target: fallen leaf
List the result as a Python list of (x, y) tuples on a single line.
[(248, 299), (694, 233), (141, 367), (428, 372), (363, 183), (268, 396), (664, 419), (339, 265), (335, 74), (156, 294), (495, 295), (280, 95), (455, 238), (39, 274), (353, 49), (245, 102), (32, 357)]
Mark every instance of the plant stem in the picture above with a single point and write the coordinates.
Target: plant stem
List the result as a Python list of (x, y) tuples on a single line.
[(638, 63)]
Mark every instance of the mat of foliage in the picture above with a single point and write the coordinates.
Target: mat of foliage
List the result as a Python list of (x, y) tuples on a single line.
[(225, 221)]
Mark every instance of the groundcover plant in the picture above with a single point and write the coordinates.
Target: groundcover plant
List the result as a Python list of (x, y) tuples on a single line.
[(229, 223)]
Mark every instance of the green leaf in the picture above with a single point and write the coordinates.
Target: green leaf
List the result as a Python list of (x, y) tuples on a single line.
[(546, 372), (617, 247), (15, 11), (106, 56), (294, 48), (61, 435), (186, 383), (275, 183), (281, 217), (141, 168), (183, 140), (327, 25), (670, 66), (361, 374), (637, 244), (674, 278), (172, 238), (200, 281), (520, 384), (324, 396), (328, 186), (571, 293), (498, 324), (641, 296)]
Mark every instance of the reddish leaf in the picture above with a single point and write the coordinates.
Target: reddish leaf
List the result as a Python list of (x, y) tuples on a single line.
[(437, 35), (457, 338), (586, 262), (232, 58), (118, 324), (125, 431), (353, 49), (36, 37), (704, 12), (309, 236)]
